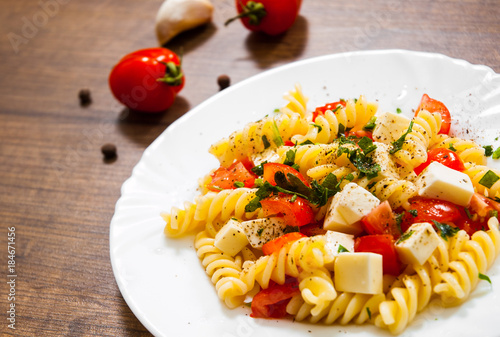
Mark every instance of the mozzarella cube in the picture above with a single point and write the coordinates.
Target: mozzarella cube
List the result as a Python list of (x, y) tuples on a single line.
[(389, 127), (348, 207), (419, 246), (441, 182), (268, 155), (382, 157), (359, 273), (262, 230), (231, 238), (336, 239)]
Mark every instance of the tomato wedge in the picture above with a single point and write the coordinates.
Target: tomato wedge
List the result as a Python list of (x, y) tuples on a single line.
[(278, 243), (444, 156), (270, 169), (330, 106), (427, 209), (383, 245), (296, 211), (432, 106), (381, 220), (313, 229), (272, 302), (480, 210), (231, 177)]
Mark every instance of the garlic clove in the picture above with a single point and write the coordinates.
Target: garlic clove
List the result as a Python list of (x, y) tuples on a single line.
[(176, 16)]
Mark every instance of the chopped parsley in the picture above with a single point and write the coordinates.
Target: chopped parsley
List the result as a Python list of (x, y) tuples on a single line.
[(447, 231), (259, 231), (318, 126), (276, 135), (294, 197), (342, 249), (239, 184), (488, 150), (484, 277), (341, 130), (363, 163), (489, 179), (371, 124), (290, 159), (366, 144), (468, 213), (398, 144), (451, 147), (369, 313), (496, 154), (405, 236), (266, 142), (413, 212), (307, 142), (398, 110)]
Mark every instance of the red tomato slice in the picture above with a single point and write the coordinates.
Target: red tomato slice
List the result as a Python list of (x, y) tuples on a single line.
[(360, 134), (432, 106), (381, 220), (313, 229), (272, 302), (330, 106), (433, 209), (444, 156), (270, 170), (278, 243), (295, 213), (226, 178), (383, 245), (481, 209)]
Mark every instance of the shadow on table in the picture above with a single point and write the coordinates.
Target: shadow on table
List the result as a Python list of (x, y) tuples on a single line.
[(143, 128), (266, 50)]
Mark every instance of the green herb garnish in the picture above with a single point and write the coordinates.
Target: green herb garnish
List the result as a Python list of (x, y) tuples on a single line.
[(446, 230), (413, 212), (341, 130), (405, 236), (239, 184), (484, 277), (276, 135), (259, 231), (371, 124), (318, 126), (493, 213), (369, 313), (398, 144), (496, 154), (489, 179), (398, 110), (488, 150), (468, 213), (451, 147), (342, 249), (366, 144), (266, 142)]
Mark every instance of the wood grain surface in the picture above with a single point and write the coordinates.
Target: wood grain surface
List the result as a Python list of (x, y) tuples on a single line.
[(58, 192)]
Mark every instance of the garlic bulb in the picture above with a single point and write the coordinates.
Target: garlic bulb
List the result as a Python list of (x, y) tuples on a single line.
[(176, 16)]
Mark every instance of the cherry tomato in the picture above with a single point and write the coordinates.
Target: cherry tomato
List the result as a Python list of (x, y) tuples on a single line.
[(270, 169), (296, 211), (480, 210), (275, 245), (147, 80), (272, 17), (272, 302), (444, 156), (229, 178), (313, 229), (432, 209), (359, 133), (381, 220), (432, 106), (330, 106), (383, 245)]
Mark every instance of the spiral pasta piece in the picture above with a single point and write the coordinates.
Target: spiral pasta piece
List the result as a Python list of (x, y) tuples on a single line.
[(424, 134), (181, 221), (396, 191), (469, 258), (297, 102), (223, 270), (224, 205), (476, 173), (467, 150), (326, 127)]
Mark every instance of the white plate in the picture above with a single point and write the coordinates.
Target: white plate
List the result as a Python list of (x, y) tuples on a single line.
[(162, 279)]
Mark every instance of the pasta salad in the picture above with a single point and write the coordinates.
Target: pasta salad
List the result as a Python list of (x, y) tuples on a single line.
[(345, 214)]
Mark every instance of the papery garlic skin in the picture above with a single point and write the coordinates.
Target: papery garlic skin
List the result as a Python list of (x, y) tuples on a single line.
[(176, 16)]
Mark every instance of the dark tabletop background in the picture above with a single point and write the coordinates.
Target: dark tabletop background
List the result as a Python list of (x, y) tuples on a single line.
[(55, 188)]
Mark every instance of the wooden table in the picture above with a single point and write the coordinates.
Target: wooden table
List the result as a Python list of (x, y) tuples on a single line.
[(58, 195)]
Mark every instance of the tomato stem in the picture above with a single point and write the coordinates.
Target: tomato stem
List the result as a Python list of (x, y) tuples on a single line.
[(173, 74), (254, 11)]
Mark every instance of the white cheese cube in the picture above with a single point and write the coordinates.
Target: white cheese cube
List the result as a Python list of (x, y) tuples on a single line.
[(389, 127), (441, 182), (262, 230), (268, 155), (336, 239), (359, 273), (231, 238), (348, 207), (382, 157), (420, 244)]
